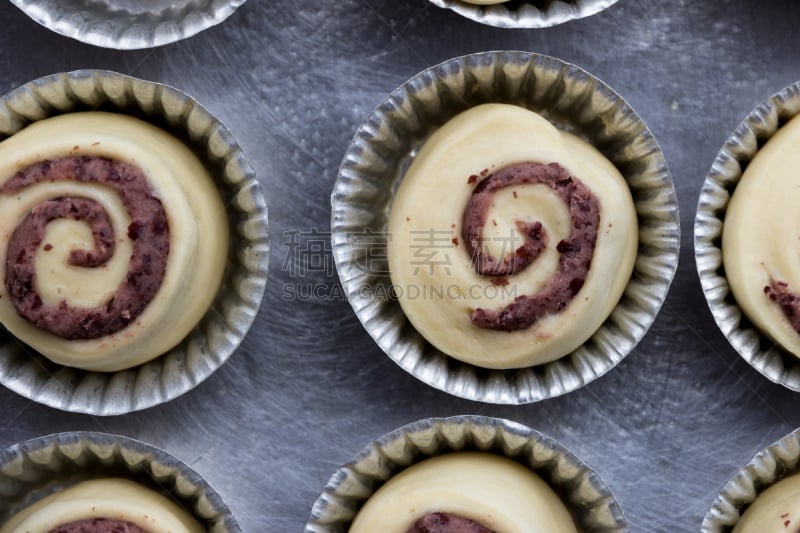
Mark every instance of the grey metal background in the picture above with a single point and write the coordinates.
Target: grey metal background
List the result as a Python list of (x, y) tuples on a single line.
[(308, 388)]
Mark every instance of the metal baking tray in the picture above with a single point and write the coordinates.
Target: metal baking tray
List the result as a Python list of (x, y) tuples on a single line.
[(309, 388)]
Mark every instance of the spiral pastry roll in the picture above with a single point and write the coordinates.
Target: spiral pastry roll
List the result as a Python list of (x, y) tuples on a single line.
[(114, 239), (104, 506), (760, 239), (510, 242), (464, 492)]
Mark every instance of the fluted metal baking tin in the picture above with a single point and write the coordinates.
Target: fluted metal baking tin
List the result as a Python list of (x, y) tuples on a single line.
[(36, 468), (777, 364), (590, 501), (772, 464), (232, 312), (128, 24), (574, 101), (525, 13)]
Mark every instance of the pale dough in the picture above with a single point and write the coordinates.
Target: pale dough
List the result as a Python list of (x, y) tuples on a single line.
[(434, 279), (113, 499), (776, 510), (198, 236), (484, 2), (761, 233), (493, 491)]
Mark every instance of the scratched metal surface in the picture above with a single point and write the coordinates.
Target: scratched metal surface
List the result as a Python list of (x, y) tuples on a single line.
[(308, 388)]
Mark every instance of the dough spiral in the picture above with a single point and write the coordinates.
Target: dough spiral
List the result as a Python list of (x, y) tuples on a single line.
[(148, 231), (510, 242), (575, 251), (114, 239)]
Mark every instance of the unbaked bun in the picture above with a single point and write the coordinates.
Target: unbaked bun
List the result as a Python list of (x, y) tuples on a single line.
[(510, 241), (776, 510), (759, 239), (98, 210), (489, 490), (116, 500)]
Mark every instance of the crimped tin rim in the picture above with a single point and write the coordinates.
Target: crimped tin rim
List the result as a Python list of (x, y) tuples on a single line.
[(770, 359), (777, 461), (233, 311), (361, 196), (525, 15), (37, 464), (591, 502), (98, 23)]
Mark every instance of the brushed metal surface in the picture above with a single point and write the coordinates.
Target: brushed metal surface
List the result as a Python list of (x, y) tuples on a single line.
[(383, 148), (308, 388)]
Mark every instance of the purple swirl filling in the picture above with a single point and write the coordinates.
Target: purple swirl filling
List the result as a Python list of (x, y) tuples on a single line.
[(446, 523), (99, 525), (575, 252), (148, 231), (789, 302)]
